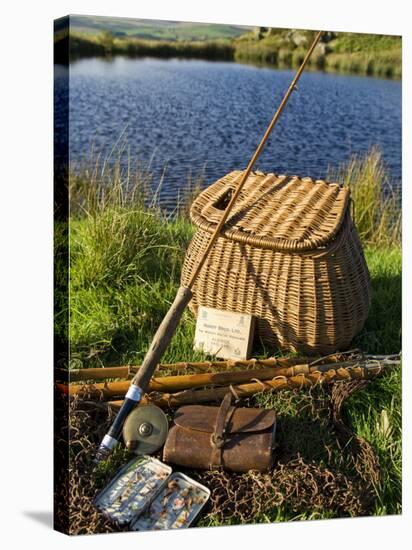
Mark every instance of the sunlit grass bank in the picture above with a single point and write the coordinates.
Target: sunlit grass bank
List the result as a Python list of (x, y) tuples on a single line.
[(126, 257)]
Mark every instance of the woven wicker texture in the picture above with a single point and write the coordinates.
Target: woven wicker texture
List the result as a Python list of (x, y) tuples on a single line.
[(289, 254)]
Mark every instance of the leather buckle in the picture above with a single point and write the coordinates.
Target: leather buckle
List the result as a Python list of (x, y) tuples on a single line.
[(217, 441)]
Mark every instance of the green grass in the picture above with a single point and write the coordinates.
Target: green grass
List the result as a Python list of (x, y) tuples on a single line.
[(376, 416), (387, 64), (365, 54), (107, 44), (351, 42), (125, 266), (377, 214), (368, 54), (125, 263)]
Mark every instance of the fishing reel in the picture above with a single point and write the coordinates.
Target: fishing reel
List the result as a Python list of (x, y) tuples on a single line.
[(145, 430)]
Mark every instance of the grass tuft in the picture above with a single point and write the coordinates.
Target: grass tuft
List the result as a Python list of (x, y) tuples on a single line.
[(377, 208)]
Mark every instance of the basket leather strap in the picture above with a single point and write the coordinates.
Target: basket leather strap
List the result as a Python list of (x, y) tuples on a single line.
[(218, 439)]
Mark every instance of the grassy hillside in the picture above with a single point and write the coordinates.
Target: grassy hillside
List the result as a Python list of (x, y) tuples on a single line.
[(365, 54), (153, 29)]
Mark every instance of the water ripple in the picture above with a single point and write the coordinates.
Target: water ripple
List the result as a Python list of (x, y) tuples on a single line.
[(207, 117)]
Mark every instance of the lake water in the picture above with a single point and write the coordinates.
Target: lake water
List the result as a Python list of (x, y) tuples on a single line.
[(197, 117)]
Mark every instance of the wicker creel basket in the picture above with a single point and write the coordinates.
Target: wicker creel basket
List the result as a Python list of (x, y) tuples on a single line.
[(289, 254)]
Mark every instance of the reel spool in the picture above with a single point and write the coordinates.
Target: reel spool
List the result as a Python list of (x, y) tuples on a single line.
[(145, 430)]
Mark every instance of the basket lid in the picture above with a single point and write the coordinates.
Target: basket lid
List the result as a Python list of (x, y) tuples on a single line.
[(272, 211)]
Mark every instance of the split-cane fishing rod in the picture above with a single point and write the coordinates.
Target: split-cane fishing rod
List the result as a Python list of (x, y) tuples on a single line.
[(168, 326)]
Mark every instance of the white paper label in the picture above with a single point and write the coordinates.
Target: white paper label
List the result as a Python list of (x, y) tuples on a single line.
[(224, 334)]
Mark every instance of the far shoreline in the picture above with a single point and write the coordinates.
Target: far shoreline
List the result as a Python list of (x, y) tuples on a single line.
[(76, 47), (252, 64)]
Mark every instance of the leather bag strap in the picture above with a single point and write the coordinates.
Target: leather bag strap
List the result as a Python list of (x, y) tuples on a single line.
[(218, 438)]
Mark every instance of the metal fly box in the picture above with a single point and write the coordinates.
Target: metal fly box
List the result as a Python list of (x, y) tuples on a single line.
[(176, 505), (132, 489)]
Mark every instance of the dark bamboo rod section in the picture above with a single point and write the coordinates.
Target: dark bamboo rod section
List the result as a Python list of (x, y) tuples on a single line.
[(76, 375), (173, 384), (126, 371), (298, 381)]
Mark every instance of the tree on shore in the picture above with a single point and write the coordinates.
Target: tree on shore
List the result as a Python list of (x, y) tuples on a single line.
[(106, 39)]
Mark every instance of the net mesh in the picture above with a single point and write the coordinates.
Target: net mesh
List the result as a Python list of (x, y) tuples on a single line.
[(311, 476)]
